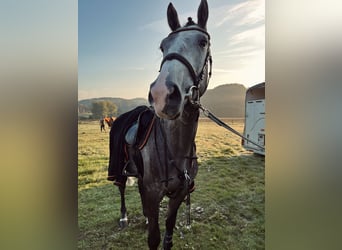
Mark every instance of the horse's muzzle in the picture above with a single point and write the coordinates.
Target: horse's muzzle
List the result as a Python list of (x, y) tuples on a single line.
[(166, 99)]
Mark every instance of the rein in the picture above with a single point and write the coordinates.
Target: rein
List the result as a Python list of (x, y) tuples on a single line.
[(219, 122)]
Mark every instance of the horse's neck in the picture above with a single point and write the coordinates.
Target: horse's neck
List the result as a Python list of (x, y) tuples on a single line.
[(180, 133)]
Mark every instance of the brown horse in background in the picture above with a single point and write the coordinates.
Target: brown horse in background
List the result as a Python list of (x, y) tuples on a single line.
[(109, 121)]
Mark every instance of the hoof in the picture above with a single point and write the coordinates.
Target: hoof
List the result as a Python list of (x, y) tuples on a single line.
[(167, 242), (123, 222)]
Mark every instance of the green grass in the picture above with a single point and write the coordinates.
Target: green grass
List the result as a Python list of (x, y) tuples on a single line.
[(227, 208)]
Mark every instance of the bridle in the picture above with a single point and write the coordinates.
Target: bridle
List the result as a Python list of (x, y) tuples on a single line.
[(193, 93)]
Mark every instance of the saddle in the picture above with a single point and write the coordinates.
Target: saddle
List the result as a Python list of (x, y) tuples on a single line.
[(128, 135), (138, 133), (135, 140)]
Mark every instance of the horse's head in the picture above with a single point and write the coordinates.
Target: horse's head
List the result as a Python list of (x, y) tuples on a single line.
[(184, 70)]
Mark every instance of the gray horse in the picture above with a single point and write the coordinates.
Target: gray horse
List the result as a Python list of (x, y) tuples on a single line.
[(168, 156)]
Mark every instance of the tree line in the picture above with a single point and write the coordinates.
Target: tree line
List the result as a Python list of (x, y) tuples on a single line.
[(101, 109)]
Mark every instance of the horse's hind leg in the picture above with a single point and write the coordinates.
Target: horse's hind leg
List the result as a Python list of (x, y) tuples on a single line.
[(123, 220), (174, 204)]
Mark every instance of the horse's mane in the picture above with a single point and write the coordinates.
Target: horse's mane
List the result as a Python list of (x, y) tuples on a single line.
[(190, 22)]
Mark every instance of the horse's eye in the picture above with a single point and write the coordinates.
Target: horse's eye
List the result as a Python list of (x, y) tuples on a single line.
[(203, 43)]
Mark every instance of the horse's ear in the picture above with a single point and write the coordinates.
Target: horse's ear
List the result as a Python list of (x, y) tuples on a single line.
[(203, 14), (172, 17)]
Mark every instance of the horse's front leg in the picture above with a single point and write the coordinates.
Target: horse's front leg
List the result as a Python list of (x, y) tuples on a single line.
[(153, 238), (171, 220), (150, 205)]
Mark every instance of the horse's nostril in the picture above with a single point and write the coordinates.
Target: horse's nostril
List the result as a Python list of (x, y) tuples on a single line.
[(171, 89), (173, 100), (174, 94)]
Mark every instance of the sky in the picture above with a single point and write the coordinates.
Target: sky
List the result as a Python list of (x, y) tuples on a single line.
[(118, 43)]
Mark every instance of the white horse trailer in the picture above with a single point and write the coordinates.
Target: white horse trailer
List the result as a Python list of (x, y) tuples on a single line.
[(254, 129)]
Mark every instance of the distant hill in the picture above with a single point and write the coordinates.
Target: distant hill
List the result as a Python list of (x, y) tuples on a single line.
[(226, 100), (124, 105)]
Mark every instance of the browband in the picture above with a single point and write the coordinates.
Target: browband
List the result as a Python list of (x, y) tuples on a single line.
[(191, 28)]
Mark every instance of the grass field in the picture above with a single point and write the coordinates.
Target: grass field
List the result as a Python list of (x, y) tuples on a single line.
[(227, 207)]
